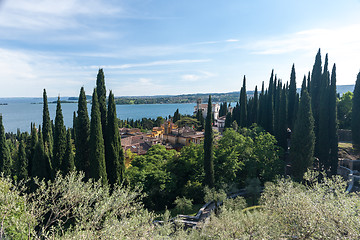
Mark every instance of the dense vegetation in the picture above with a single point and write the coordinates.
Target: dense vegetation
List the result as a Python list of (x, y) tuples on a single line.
[(186, 98), (71, 208), (74, 184)]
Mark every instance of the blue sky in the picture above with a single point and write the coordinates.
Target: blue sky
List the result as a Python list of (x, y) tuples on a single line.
[(170, 47)]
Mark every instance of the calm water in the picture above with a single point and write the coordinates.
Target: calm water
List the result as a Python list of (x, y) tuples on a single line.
[(20, 113)]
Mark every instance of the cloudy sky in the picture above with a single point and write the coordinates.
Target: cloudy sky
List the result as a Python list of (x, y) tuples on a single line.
[(170, 47)]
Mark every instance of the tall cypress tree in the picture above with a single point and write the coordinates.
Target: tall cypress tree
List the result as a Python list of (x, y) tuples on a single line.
[(243, 105), (74, 126), (22, 162), (282, 125), (303, 85), (309, 83), (96, 143), (277, 116), (355, 119), (316, 79), (5, 159), (291, 98), (59, 138), (68, 164), (333, 125), (101, 93), (47, 127), (255, 107), (31, 147), (322, 144), (41, 167), (302, 139), (262, 108), (115, 160), (269, 116), (208, 148), (82, 131)]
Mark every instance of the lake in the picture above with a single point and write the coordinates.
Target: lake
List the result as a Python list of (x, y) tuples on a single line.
[(21, 112)]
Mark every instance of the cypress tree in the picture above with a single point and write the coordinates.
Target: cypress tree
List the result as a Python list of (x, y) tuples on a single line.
[(82, 131), (262, 109), (228, 120), (355, 119), (68, 164), (309, 83), (208, 148), (96, 143), (255, 107), (115, 160), (291, 98), (322, 143), (270, 105), (41, 166), (333, 125), (5, 159), (249, 108), (32, 146), (303, 85), (22, 162), (277, 116), (302, 139), (74, 126), (243, 105), (316, 79), (47, 127), (176, 116), (282, 125), (200, 118), (101, 93), (59, 138)]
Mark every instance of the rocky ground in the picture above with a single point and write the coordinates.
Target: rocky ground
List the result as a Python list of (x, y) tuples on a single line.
[(347, 151)]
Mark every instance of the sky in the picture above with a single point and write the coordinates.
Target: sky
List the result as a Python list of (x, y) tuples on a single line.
[(168, 47)]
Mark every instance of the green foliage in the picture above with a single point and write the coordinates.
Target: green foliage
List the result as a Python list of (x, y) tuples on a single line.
[(41, 166), (47, 129), (320, 210), (355, 119), (333, 124), (208, 148), (59, 139), (188, 122), (96, 143), (82, 132), (243, 105), (344, 110), (316, 76), (177, 116), (253, 190), (302, 139), (183, 204), (101, 93), (150, 171), (71, 208), (5, 159), (114, 154), (16, 221), (292, 98), (68, 164), (22, 162)]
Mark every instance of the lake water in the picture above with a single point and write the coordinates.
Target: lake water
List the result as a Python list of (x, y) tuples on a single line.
[(20, 113)]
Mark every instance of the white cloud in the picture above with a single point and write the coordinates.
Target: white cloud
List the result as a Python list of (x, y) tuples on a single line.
[(48, 14), (232, 40), (342, 44), (155, 63), (196, 77)]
